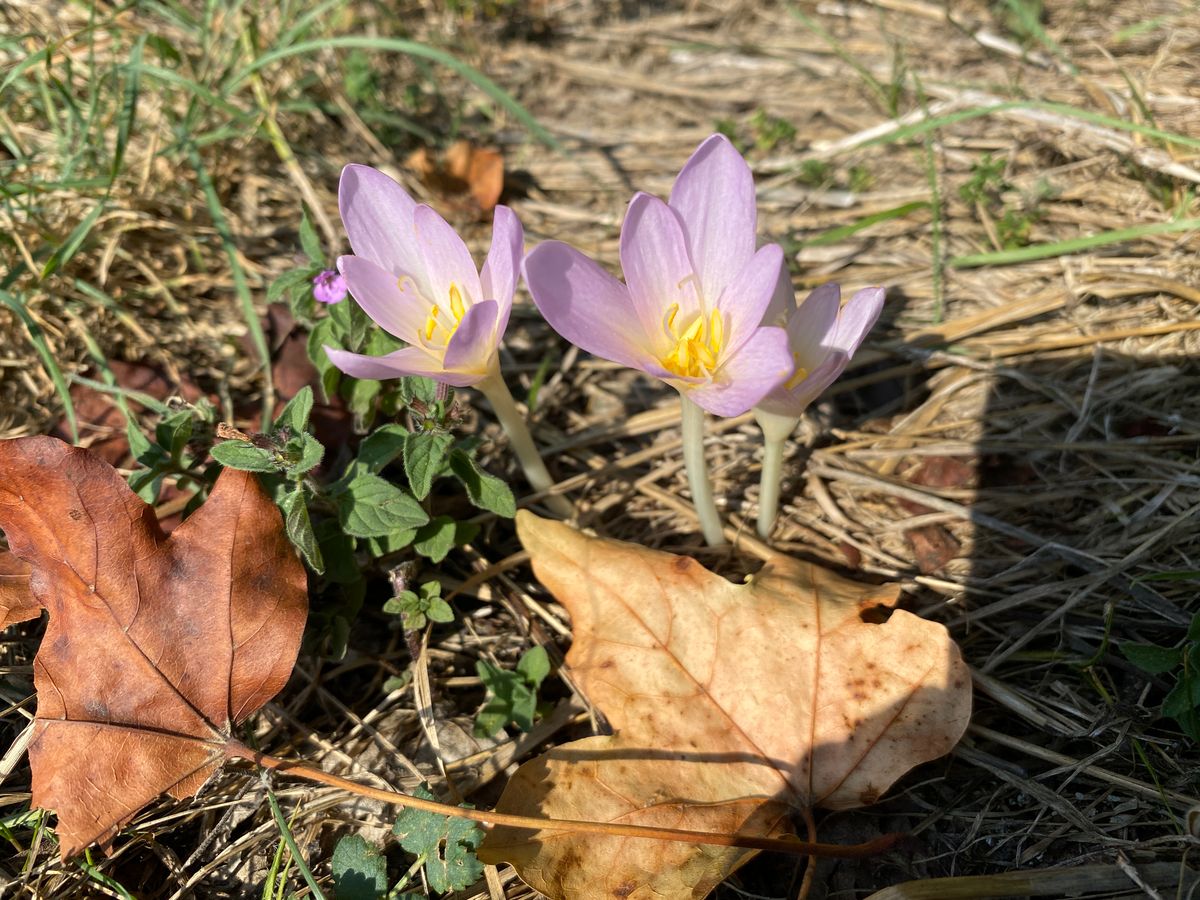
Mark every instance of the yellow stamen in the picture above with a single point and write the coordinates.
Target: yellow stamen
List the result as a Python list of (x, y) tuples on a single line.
[(437, 320), (697, 349), (798, 376)]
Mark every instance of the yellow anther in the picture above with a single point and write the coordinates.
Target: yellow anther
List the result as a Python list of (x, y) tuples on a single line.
[(457, 307), (798, 376), (696, 351), (431, 323)]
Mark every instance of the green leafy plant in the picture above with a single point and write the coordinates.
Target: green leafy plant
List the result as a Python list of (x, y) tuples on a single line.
[(512, 696), (1182, 702), (1014, 219), (445, 846), (763, 132), (419, 607)]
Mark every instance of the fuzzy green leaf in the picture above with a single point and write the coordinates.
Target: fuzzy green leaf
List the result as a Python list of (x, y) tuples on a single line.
[(381, 446), (534, 665), (359, 869), (436, 539), (247, 457), (299, 528), (294, 416), (305, 453), (371, 506), (439, 611), (484, 490), (424, 454), (287, 283), (173, 432), (1152, 658), (310, 242), (446, 844)]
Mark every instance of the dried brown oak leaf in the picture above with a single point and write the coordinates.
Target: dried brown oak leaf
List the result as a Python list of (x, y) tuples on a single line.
[(156, 647), (732, 706)]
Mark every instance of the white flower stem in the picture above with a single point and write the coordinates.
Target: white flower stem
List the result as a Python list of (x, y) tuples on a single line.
[(776, 429), (697, 472), (513, 423)]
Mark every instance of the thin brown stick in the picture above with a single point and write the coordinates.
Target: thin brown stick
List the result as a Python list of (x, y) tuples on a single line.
[(237, 750)]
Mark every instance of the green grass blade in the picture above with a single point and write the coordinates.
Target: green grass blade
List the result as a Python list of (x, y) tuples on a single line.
[(833, 235), (917, 129), (38, 338), (23, 66), (1024, 13), (1074, 245), (129, 102), (123, 393), (239, 275), (302, 23), (410, 48), (71, 245), (192, 87), (286, 834)]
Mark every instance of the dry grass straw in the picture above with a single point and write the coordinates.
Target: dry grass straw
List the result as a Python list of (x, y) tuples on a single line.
[(1061, 389)]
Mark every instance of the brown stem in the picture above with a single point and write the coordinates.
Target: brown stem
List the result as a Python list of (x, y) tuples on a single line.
[(237, 750), (810, 867)]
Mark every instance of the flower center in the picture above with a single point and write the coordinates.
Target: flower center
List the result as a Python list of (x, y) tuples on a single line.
[(697, 347), (441, 324)]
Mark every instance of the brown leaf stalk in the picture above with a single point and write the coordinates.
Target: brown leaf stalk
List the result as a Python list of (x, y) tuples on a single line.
[(796, 847)]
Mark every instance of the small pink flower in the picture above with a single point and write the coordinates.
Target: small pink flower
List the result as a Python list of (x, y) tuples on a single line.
[(329, 287), (695, 289), (414, 276), (822, 337)]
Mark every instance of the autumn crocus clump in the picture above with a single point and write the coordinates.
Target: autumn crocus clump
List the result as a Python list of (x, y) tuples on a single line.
[(822, 337), (414, 276), (691, 308)]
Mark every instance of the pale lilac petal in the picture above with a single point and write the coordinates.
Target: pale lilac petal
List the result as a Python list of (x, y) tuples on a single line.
[(813, 326), (378, 216), (409, 361), (585, 304), (393, 304), (745, 300), (658, 270), (793, 402), (447, 259), (783, 301), (746, 377), (859, 316), (502, 268), (473, 343), (714, 195)]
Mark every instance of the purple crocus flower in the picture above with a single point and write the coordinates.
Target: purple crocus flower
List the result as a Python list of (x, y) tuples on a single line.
[(695, 289), (414, 276), (329, 287), (823, 336)]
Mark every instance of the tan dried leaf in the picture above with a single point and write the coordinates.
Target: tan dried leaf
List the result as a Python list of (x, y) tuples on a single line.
[(732, 706)]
